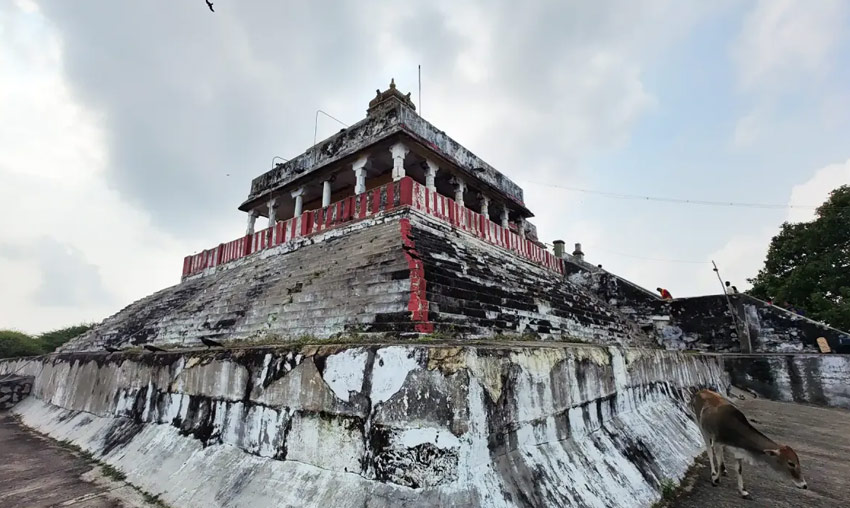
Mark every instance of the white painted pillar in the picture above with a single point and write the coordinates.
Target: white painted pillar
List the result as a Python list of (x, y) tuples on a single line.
[(272, 211), (252, 219), (504, 216), (298, 195), (359, 168), (460, 187), (521, 226), (485, 205), (326, 192), (431, 174), (398, 151)]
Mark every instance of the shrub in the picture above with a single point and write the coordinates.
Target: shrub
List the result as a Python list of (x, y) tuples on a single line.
[(14, 344), (54, 339)]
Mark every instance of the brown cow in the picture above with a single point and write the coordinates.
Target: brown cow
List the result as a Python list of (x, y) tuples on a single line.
[(724, 426)]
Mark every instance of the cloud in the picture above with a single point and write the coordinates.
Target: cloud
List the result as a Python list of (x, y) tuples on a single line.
[(815, 190), (73, 248), (742, 256), (67, 279), (784, 41)]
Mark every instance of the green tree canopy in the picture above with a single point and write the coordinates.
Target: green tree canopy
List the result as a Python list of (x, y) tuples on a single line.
[(808, 264), (14, 344)]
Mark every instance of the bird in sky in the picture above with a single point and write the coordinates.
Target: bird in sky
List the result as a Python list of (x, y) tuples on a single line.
[(210, 5)]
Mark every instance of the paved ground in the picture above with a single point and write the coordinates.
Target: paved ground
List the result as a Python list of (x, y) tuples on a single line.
[(818, 435), (37, 472)]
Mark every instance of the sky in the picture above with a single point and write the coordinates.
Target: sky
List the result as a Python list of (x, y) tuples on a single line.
[(131, 131)]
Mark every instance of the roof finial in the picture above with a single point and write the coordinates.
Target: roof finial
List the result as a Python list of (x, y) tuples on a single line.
[(392, 82)]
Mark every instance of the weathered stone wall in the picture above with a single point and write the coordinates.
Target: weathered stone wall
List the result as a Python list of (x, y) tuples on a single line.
[(477, 289), (807, 378), (345, 280), (380, 426), (706, 322), (13, 389), (772, 328), (396, 274)]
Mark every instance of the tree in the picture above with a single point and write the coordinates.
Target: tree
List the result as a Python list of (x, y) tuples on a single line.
[(52, 340), (14, 344), (808, 264)]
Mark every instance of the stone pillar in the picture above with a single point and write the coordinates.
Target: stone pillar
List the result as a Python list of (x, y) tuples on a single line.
[(399, 151), (460, 187), (431, 174), (326, 192), (559, 248), (485, 205), (298, 195), (359, 168), (272, 211), (520, 224), (505, 216), (252, 219)]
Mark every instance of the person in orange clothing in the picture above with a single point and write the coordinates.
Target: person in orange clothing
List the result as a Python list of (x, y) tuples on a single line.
[(665, 294)]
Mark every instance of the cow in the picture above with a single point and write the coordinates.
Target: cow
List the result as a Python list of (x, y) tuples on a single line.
[(724, 427)]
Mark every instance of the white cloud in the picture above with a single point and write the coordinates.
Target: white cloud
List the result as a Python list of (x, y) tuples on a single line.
[(742, 256), (71, 249), (787, 40), (815, 190), (748, 129)]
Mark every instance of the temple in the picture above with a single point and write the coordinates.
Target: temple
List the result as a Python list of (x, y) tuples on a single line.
[(392, 142)]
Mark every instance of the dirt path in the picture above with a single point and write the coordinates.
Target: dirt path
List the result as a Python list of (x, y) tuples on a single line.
[(38, 472)]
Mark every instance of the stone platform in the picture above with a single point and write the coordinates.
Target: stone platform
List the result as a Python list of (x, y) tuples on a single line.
[(401, 273)]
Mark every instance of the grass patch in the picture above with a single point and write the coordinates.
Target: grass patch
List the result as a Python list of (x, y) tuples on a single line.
[(668, 489)]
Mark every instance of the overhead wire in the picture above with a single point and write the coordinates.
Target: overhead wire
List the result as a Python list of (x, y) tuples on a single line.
[(618, 195)]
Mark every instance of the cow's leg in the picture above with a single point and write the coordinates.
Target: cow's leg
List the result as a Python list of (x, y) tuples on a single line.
[(740, 469), (715, 475), (721, 465)]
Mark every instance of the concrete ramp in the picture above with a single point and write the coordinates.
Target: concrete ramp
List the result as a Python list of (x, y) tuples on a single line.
[(380, 426)]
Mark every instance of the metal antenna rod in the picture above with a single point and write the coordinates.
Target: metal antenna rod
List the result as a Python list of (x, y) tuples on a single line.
[(278, 157), (738, 327), (316, 127)]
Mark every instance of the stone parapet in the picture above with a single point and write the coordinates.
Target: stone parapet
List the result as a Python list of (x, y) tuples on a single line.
[(14, 389)]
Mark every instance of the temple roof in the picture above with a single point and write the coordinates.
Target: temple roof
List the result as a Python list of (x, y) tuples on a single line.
[(391, 115)]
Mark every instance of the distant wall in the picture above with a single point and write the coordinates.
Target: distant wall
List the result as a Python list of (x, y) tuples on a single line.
[(706, 323), (14, 389), (807, 378)]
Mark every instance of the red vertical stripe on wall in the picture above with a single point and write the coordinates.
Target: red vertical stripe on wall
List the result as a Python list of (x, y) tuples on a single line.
[(391, 196), (406, 197)]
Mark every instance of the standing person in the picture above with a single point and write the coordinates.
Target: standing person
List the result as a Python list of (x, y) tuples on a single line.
[(664, 294)]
